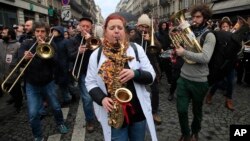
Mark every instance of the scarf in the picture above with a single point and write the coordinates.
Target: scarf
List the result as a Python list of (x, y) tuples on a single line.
[(199, 30), (109, 69)]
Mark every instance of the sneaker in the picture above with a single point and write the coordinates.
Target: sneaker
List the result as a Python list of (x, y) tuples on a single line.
[(90, 127), (39, 139), (157, 119), (63, 129)]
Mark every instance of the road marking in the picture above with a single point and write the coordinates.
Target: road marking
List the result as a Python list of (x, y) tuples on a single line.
[(65, 113), (79, 131), (57, 137)]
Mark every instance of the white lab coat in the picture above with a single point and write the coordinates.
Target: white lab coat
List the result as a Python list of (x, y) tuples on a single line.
[(94, 80)]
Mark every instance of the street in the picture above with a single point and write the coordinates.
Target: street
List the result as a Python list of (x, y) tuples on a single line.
[(215, 125)]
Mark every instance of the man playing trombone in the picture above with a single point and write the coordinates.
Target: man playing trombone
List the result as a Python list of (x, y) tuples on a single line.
[(144, 39), (39, 77), (81, 56)]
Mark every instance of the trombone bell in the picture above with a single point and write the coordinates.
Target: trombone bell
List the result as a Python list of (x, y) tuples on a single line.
[(93, 43), (45, 51)]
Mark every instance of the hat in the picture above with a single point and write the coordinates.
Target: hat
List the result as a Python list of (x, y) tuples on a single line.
[(86, 19), (130, 27), (144, 20)]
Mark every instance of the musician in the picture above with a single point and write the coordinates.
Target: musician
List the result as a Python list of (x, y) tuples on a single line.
[(8, 55), (143, 38), (40, 81), (62, 70), (85, 27), (101, 78), (193, 84)]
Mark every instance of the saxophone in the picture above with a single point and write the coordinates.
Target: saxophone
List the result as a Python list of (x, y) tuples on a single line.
[(119, 94)]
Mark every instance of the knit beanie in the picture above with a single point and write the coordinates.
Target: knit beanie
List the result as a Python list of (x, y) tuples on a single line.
[(143, 20)]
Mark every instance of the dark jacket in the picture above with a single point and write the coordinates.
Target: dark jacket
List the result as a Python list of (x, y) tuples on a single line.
[(153, 58), (40, 71), (63, 58), (163, 37), (25, 37), (74, 50)]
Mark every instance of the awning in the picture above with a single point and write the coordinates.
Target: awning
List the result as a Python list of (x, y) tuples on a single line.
[(230, 6)]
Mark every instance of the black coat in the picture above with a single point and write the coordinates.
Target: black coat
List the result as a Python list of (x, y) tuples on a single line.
[(63, 57), (40, 71), (74, 50)]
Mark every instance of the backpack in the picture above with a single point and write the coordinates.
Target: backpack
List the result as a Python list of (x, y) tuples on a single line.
[(224, 56), (131, 44)]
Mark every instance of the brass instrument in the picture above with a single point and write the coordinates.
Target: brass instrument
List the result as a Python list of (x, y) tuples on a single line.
[(240, 22), (184, 36), (44, 51), (152, 48), (92, 43), (76, 77), (119, 94)]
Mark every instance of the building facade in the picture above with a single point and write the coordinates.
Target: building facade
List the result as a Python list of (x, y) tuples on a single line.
[(18, 11), (162, 9)]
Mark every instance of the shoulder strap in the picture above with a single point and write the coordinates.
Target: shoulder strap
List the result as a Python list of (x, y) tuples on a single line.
[(99, 54), (203, 37), (136, 51)]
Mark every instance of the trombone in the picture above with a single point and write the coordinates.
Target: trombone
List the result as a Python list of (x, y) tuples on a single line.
[(92, 43), (76, 77), (44, 51)]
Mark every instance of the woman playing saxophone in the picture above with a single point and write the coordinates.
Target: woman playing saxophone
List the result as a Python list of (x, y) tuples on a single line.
[(115, 78)]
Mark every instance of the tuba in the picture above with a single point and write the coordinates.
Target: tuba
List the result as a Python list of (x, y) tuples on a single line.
[(119, 94), (182, 35)]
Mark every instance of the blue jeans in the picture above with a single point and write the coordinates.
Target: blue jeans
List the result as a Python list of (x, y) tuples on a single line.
[(35, 102), (86, 100), (134, 132), (64, 90)]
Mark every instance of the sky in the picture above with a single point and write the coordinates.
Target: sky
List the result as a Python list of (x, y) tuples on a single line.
[(107, 6)]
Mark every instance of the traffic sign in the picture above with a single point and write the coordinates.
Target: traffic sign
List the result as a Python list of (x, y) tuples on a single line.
[(66, 15), (65, 7), (65, 2)]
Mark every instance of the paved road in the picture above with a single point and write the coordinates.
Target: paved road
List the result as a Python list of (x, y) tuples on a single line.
[(215, 125)]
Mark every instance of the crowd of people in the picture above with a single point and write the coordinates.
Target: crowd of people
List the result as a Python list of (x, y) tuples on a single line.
[(130, 60)]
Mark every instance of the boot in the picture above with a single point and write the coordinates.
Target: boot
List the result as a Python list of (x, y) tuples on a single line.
[(229, 104), (209, 98)]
